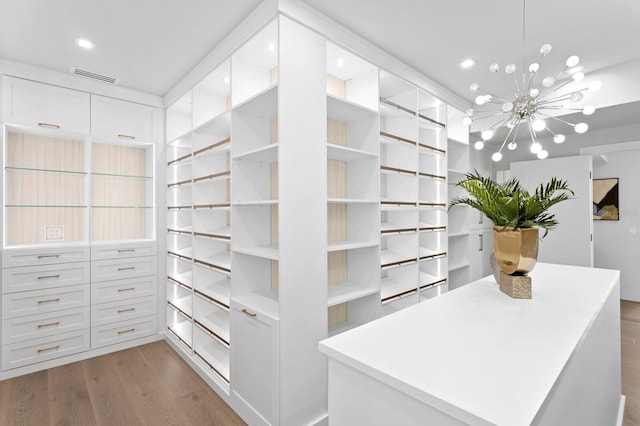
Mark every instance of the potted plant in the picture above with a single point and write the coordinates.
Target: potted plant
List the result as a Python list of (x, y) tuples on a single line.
[(517, 216)]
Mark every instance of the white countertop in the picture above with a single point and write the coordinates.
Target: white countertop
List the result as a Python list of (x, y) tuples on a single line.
[(476, 353)]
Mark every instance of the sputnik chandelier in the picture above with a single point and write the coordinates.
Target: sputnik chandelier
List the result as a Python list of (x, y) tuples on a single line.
[(534, 102)]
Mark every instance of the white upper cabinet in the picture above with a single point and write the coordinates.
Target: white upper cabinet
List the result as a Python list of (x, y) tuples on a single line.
[(42, 105), (116, 119)]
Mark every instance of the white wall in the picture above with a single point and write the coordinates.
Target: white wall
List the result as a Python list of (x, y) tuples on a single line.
[(614, 246)]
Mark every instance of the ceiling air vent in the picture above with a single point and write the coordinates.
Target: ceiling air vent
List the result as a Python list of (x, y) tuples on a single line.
[(94, 76)]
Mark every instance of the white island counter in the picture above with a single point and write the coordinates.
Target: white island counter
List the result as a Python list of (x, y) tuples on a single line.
[(476, 356)]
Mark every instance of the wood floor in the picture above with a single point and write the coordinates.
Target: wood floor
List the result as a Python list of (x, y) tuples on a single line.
[(146, 385), (630, 333), (152, 385)]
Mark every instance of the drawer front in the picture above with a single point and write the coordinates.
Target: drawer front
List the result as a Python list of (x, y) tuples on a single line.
[(44, 349), (43, 277), (110, 334), (36, 326), (41, 301), (123, 250), (44, 256), (108, 313), (123, 120), (111, 291), (117, 269)]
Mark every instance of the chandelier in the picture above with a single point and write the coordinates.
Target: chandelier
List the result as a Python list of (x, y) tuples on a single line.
[(535, 101)]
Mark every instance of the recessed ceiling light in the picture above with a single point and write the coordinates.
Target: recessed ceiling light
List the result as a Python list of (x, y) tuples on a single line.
[(226, 80), (467, 63), (84, 43), (271, 46), (340, 62)]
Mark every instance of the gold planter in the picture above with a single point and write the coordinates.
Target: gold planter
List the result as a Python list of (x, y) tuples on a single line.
[(516, 251)]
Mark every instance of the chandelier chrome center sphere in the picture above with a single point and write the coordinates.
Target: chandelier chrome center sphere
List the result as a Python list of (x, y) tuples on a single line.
[(534, 102)]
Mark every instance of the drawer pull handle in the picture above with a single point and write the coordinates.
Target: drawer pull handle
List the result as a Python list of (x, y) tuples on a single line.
[(131, 330), (120, 290), (49, 125), (251, 314), (126, 310), (126, 250), (40, 302), (51, 324), (46, 256), (52, 348), (123, 136), (128, 268), (49, 276)]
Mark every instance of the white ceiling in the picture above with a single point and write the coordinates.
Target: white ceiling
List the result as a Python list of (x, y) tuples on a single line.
[(150, 44)]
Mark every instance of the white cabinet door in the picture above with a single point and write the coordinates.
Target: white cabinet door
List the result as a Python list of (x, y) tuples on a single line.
[(254, 366), (42, 105), (117, 119), (480, 253)]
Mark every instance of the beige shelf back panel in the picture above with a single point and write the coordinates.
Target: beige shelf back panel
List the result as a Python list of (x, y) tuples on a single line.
[(337, 314), (336, 87), (49, 194), (337, 132)]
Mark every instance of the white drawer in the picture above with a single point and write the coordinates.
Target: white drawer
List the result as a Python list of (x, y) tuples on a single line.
[(44, 256), (40, 301), (111, 291), (107, 313), (42, 277), (35, 326), (110, 334), (44, 349), (117, 269), (123, 250)]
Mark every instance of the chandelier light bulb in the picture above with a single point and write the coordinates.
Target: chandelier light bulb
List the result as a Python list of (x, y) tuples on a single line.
[(576, 69), (581, 127), (538, 125), (577, 97), (507, 106), (473, 87), (595, 86), (548, 81), (480, 100), (542, 154), (486, 134), (466, 121), (535, 148), (588, 110), (512, 146), (510, 69), (478, 145), (579, 76), (496, 156), (494, 67), (545, 49), (534, 67), (572, 61), (469, 112), (559, 138), (534, 92)]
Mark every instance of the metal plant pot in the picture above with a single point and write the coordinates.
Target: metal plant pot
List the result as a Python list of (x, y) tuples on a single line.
[(516, 251)]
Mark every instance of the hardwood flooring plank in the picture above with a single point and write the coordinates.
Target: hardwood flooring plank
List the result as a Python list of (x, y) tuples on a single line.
[(630, 337), (24, 400), (110, 404), (152, 400), (69, 404), (207, 408)]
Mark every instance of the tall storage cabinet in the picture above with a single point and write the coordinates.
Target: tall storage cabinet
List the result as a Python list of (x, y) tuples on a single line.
[(79, 253)]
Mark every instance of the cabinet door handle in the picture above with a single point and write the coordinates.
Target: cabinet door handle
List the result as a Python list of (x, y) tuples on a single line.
[(123, 136), (48, 276), (481, 219), (120, 290), (40, 302), (49, 125), (131, 330), (52, 348), (126, 250), (246, 312), (128, 268), (51, 324), (46, 256), (481, 242), (120, 311)]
